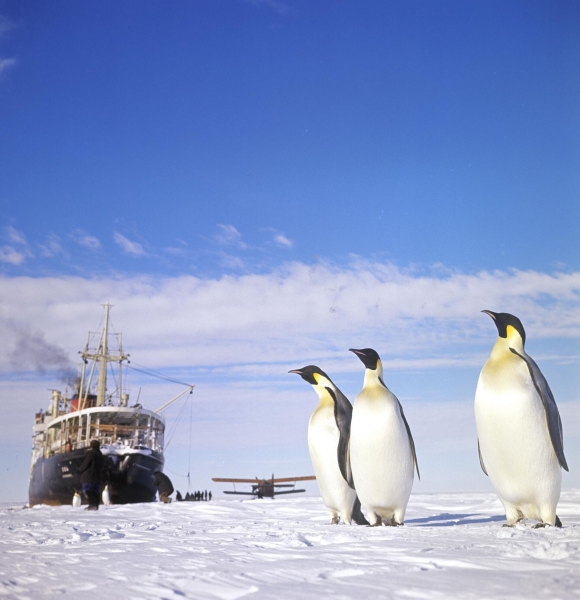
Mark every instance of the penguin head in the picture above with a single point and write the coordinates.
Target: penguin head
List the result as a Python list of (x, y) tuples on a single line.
[(311, 374), (369, 357), (508, 326), (320, 381)]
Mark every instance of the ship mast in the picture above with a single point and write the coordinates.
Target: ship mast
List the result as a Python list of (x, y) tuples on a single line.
[(102, 358)]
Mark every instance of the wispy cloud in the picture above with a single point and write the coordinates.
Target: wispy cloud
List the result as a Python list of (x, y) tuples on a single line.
[(87, 241), (15, 236), (228, 235), (278, 238), (281, 240), (280, 7), (8, 253), (128, 246), (51, 247), (7, 63), (180, 250), (11, 256), (228, 261)]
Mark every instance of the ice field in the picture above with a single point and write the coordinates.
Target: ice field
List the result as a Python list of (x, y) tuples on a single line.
[(452, 546)]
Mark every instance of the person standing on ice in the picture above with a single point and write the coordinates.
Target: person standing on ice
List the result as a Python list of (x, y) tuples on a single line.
[(164, 486), (91, 472)]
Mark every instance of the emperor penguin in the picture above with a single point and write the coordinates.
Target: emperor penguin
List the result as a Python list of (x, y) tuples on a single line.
[(106, 496), (76, 501), (382, 450), (519, 429), (328, 441)]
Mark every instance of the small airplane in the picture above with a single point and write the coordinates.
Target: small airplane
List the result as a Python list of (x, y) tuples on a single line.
[(266, 488)]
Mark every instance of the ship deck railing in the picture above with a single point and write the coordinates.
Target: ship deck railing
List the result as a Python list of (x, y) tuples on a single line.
[(121, 444)]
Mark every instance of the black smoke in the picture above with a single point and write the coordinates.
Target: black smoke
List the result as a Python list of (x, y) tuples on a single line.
[(31, 351)]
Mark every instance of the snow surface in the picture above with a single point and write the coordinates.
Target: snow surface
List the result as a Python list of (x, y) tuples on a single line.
[(452, 546)]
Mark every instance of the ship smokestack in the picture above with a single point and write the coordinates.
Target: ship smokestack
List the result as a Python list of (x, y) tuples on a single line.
[(55, 403)]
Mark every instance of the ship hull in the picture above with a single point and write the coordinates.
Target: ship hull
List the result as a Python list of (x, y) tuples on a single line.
[(55, 479)]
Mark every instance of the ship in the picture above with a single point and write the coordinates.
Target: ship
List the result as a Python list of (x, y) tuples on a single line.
[(131, 437)]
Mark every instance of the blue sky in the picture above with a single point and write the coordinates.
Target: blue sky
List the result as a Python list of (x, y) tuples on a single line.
[(279, 181), (418, 132)]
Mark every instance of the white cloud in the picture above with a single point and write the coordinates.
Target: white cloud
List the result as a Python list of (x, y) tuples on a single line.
[(7, 63), (129, 247), (282, 241), (180, 250), (15, 236), (10, 255), (280, 7), (228, 261), (86, 240), (304, 313), (52, 247), (228, 235)]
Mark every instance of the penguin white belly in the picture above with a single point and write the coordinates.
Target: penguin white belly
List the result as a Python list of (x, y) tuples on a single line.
[(381, 457), (515, 442), (323, 437)]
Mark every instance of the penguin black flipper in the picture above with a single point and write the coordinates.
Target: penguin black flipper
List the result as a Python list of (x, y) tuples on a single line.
[(410, 438), (357, 515), (481, 459), (343, 416), (552, 414)]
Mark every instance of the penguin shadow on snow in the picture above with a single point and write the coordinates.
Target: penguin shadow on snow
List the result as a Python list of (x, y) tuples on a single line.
[(450, 520)]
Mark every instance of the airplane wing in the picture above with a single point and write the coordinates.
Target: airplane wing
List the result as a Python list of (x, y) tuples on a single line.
[(256, 480), (284, 479), (229, 480)]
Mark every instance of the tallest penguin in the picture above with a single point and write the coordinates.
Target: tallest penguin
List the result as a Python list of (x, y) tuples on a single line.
[(519, 430), (382, 451)]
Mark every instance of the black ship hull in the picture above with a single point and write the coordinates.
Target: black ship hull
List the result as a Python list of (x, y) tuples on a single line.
[(54, 480)]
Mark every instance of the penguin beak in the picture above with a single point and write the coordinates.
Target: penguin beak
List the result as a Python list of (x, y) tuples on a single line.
[(359, 352), (297, 371), (490, 313)]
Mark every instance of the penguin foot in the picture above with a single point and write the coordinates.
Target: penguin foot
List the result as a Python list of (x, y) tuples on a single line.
[(376, 523), (558, 522), (508, 525), (335, 520), (393, 523), (539, 525)]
